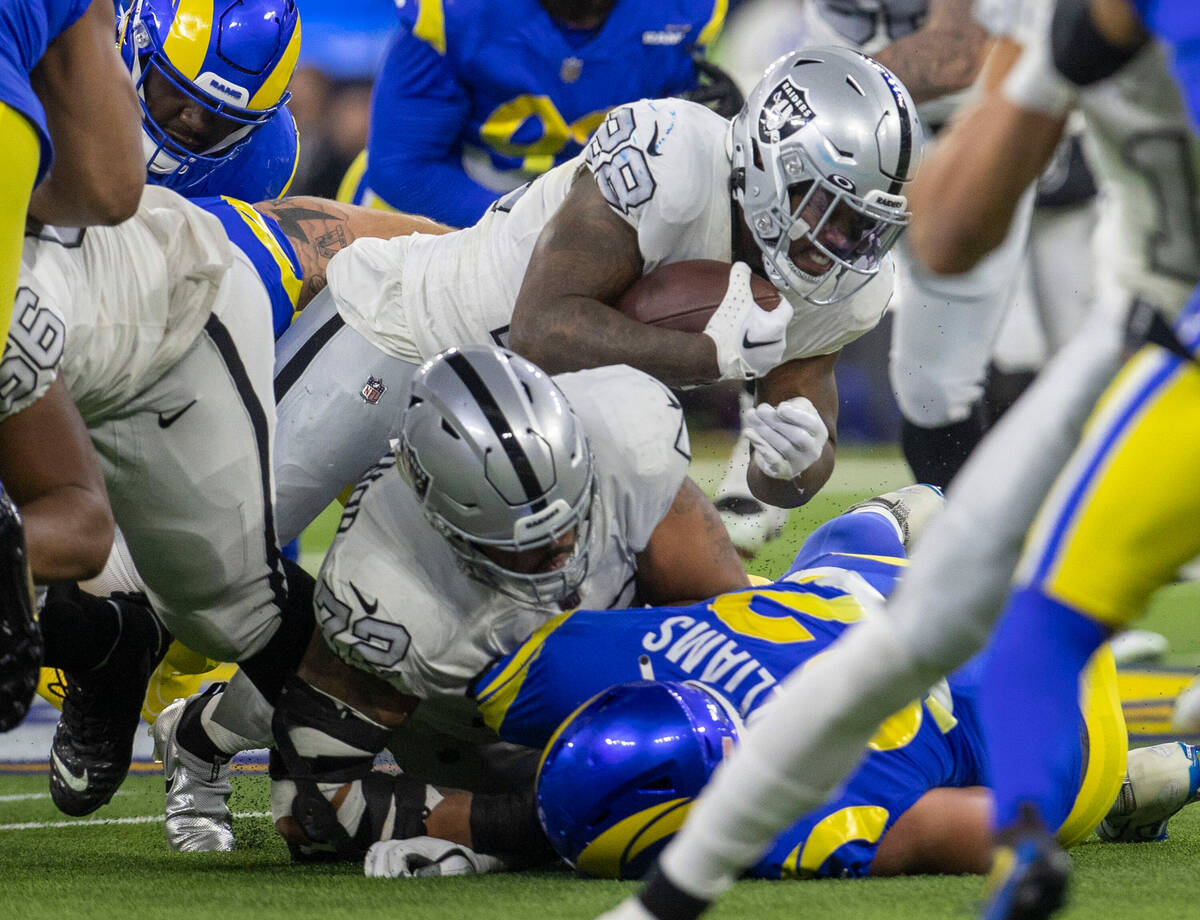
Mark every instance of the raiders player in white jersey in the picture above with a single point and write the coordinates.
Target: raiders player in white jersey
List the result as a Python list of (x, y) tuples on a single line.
[(139, 365), (653, 186), (946, 328), (937, 617), (508, 497), (140, 361)]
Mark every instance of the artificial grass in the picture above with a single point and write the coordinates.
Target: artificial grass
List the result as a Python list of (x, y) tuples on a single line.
[(124, 870)]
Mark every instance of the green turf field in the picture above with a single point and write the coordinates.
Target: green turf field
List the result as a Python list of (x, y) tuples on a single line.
[(116, 860), (82, 869)]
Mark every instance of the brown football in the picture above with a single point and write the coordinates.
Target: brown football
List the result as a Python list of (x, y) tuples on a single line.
[(683, 295)]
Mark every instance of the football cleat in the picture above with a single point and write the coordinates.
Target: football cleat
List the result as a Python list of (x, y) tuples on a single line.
[(1185, 717), (1159, 781), (20, 638), (751, 524), (198, 819), (1029, 875), (912, 508), (1138, 646), (93, 743)]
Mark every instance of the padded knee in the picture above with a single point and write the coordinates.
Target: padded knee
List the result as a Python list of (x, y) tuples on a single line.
[(326, 801)]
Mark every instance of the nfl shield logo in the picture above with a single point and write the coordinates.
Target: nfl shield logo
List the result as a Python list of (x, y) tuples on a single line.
[(372, 390), (571, 68)]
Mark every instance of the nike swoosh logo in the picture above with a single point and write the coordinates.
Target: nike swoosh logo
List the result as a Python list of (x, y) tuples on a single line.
[(747, 342), (362, 601), (78, 783), (167, 419), (652, 147)]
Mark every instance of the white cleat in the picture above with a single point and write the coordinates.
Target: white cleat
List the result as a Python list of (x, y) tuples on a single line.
[(1138, 646), (629, 909), (1186, 718), (750, 523), (911, 508), (198, 819), (1159, 781)]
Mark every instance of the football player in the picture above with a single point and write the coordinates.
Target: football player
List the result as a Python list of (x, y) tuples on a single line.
[(508, 497), (541, 269), (939, 617), (212, 82), (945, 327), (476, 98), (109, 646), (56, 67), (619, 771), (212, 85)]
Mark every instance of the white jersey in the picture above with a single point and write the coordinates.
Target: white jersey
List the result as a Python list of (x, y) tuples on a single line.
[(391, 598), (106, 306), (1145, 155), (664, 167)]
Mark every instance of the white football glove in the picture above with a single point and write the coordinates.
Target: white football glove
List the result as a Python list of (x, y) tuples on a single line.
[(417, 857), (787, 438), (749, 339)]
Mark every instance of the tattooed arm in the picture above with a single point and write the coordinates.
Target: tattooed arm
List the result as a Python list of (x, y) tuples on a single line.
[(941, 57), (318, 228), (563, 320)]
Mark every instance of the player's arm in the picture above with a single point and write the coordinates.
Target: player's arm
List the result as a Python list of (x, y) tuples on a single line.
[(689, 556), (585, 258), (49, 467), (330, 722), (319, 228), (794, 431), (945, 832), (943, 56), (966, 191), (95, 123)]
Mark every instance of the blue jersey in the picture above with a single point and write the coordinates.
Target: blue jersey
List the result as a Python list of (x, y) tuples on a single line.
[(743, 644), (26, 28), (260, 169), (267, 248), (475, 96), (1177, 22)]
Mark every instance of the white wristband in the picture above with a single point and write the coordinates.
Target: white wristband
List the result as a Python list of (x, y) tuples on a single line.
[(1034, 84)]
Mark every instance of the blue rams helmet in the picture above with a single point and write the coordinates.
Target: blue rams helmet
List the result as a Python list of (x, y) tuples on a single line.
[(234, 58), (617, 779)]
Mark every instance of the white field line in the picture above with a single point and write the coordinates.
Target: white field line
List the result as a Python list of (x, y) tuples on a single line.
[(98, 822), (29, 796)]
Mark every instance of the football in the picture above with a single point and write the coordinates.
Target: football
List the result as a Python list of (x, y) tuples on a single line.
[(683, 295)]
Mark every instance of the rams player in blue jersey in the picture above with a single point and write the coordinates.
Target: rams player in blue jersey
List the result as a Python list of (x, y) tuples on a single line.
[(57, 67), (212, 80), (475, 97), (738, 647), (622, 763)]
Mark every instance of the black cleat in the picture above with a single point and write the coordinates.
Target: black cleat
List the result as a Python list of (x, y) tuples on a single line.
[(20, 638), (1030, 874), (93, 743)]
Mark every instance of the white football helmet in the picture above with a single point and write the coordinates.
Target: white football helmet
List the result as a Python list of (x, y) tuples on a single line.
[(820, 153)]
